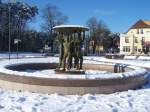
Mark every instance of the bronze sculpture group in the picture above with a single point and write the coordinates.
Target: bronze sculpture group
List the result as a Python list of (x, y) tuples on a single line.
[(71, 39), (71, 49)]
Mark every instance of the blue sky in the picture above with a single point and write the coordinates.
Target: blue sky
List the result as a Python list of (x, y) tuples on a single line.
[(118, 15)]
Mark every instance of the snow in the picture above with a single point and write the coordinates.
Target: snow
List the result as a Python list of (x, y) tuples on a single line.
[(137, 58), (91, 74), (130, 57), (128, 101), (144, 58), (134, 62), (50, 73), (71, 26), (20, 55)]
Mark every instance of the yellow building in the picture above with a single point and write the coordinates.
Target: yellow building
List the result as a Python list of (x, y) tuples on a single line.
[(137, 39)]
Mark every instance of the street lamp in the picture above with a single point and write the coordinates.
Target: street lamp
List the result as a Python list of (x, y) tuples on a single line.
[(9, 32), (9, 43), (16, 41)]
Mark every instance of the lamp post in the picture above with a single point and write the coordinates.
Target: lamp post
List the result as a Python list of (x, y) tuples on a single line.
[(9, 38), (16, 41), (9, 32)]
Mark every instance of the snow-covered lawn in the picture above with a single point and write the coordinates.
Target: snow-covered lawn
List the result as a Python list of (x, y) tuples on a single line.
[(128, 101), (141, 63), (20, 55)]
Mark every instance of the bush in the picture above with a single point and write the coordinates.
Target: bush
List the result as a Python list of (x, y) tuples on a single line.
[(114, 56)]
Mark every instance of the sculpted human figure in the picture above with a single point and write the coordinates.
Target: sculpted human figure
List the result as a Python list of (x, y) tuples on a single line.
[(71, 48), (61, 40), (61, 48), (67, 53), (79, 53), (71, 40), (70, 52), (76, 56)]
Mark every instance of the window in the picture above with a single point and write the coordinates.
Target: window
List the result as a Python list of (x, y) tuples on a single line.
[(135, 48), (138, 31), (126, 40), (143, 40), (139, 50), (142, 31), (136, 39), (126, 48)]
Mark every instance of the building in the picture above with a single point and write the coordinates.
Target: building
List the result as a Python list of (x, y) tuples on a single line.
[(137, 39)]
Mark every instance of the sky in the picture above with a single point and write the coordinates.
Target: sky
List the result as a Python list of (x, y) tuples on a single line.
[(118, 15)]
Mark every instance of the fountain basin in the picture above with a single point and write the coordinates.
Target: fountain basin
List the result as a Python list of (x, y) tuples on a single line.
[(13, 79)]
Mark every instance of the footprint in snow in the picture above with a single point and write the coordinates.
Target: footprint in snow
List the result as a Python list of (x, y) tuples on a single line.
[(1, 107), (44, 98), (91, 98), (21, 99), (34, 109), (39, 104)]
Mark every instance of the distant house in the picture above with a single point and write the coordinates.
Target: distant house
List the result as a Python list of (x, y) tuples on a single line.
[(137, 39)]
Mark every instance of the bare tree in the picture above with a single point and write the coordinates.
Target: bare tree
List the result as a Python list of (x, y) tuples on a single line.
[(98, 33), (52, 17), (13, 19)]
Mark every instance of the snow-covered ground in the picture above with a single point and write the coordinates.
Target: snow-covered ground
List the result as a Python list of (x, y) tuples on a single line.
[(141, 63), (134, 57), (128, 101), (20, 55)]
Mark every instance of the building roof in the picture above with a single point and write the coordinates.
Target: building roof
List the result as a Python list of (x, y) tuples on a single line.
[(147, 22), (141, 24)]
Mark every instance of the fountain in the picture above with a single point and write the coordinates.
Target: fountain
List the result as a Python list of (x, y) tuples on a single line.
[(68, 74), (71, 38)]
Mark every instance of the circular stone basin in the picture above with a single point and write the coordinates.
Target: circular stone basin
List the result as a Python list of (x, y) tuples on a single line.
[(16, 77)]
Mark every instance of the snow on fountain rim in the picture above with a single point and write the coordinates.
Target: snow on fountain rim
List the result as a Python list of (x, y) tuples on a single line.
[(71, 26), (95, 75)]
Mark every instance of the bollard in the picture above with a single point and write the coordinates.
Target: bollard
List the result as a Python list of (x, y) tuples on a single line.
[(115, 68), (120, 68), (123, 67)]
